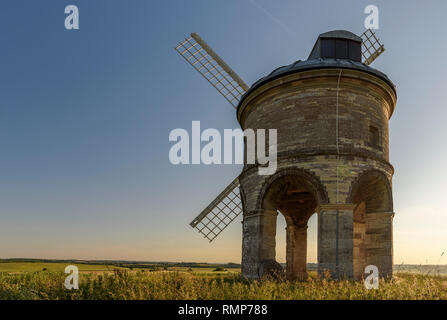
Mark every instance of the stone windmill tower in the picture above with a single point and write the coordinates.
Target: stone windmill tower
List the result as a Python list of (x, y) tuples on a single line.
[(331, 113)]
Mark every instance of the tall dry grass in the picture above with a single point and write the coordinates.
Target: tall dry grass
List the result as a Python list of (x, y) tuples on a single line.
[(186, 285)]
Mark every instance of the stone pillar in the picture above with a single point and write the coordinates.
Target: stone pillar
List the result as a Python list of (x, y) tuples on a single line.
[(258, 241), (379, 242), (335, 240), (359, 240), (296, 251)]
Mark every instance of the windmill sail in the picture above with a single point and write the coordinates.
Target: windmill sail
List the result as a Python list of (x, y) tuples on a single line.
[(207, 62), (220, 212), (371, 48)]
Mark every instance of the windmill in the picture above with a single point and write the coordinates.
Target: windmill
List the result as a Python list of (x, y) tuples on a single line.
[(227, 206)]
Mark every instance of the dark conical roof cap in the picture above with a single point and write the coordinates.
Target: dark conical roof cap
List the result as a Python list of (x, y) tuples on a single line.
[(341, 34), (339, 44)]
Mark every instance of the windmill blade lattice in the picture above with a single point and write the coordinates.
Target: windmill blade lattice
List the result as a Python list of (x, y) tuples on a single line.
[(208, 63), (219, 213), (371, 48)]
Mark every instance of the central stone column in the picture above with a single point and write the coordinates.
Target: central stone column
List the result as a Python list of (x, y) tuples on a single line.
[(296, 251), (335, 240)]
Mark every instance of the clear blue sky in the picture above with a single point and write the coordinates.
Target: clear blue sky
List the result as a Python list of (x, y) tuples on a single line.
[(85, 117)]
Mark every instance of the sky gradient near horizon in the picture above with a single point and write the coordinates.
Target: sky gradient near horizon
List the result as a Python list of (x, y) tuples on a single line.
[(85, 117)]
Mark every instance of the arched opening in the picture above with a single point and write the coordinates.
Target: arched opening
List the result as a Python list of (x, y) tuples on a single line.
[(296, 199), (281, 239), (312, 241), (371, 194)]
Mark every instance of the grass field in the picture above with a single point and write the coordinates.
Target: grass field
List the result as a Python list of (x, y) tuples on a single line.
[(19, 280)]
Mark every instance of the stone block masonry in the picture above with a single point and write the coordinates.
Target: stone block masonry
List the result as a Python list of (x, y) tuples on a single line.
[(349, 188)]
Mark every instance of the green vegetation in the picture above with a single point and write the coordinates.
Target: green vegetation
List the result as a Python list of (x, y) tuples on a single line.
[(220, 269), (27, 280)]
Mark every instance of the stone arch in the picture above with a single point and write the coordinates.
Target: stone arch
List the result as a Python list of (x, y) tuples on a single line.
[(374, 188), (296, 194), (306, 176), (372, 232)]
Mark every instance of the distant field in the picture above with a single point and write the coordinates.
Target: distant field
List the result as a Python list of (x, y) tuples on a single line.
[(205, 270), (422, 269), (15, 267), (21, 267)]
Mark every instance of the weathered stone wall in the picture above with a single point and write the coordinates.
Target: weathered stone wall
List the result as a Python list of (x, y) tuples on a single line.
[(302, 107)]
